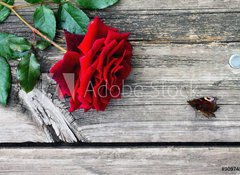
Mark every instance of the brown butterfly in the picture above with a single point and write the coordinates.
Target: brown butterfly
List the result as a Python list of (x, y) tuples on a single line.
[(206, 105)]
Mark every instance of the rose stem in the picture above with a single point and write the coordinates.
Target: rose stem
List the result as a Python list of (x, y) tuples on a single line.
[(34, 30)]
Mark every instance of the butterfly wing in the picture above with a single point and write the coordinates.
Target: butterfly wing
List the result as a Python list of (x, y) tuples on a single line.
[(206, 105), (208, 114)]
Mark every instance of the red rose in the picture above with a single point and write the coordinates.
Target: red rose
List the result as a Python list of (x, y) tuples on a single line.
[(100, 62)]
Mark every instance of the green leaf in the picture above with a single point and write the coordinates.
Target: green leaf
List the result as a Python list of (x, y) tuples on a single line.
[(42, 45), (44, 20), (34, 1), (5, 81), (96, 4), (73, 19), (28, 72), (57, 1), (12, 47), (4, 11)]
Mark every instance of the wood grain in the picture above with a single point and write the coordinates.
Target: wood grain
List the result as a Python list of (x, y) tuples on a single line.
[(139, 161), (140, 121), (177, 5), (170, 5), (181, 51), (170, 75), (17, 126), (50, 118), (159, 26)]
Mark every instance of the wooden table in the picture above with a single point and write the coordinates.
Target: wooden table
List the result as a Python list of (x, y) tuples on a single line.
[(181, 51)]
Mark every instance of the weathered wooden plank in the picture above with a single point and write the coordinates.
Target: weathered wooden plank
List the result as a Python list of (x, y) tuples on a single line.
[(168, 26), (159, 112), (33, 118), (176, 27), (168, 131), (139, 161), (170, 5), (147, 55), (140, 121), (163, 123), (151, 114), (177, 4), (50, 118), (16, 124), (175, 73), (171, 67)]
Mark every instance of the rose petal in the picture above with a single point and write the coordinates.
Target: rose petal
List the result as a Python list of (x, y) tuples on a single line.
[(74, 105), (86, 86), (102, 59), (69, 64), (114, 67), (101, 100), (73, 40), (96, 30), (118, 50), (112, 35), (86, 61)]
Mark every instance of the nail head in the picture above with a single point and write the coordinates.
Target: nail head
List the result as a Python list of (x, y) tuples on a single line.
[(234, 61)]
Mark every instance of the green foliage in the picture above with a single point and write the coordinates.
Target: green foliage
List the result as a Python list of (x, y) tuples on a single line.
[(96, 4), (70, 18), (4, 11), (28, 72), (5, 79), (57, 1), (34, 1), (44, 20), (73, 19), (12, 47), (42, 45)]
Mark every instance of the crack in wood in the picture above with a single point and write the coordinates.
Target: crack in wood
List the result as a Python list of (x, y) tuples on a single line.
[(48, 116)]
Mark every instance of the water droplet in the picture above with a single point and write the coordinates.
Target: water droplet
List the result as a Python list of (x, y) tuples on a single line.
[(234, 61)]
